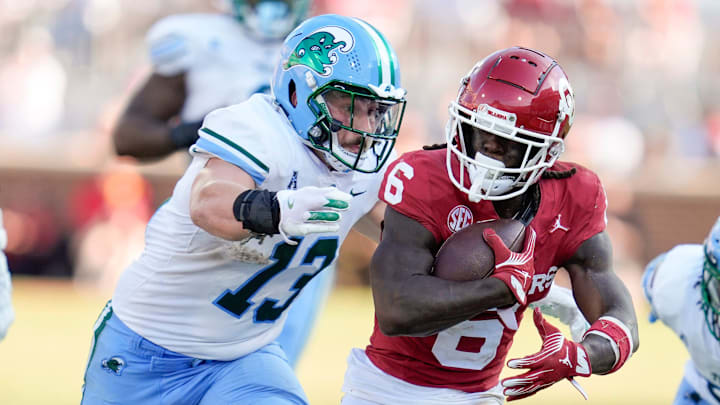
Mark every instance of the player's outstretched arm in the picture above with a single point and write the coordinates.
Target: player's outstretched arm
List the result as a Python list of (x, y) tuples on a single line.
[(408, 299), (604, 300), (225, 203), (144, 130)]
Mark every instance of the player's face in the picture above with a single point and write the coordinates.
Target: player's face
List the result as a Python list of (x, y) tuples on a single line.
[(360, 113), (496, 147)]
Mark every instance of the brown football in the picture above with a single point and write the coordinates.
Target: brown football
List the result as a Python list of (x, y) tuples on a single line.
[(465, 256)]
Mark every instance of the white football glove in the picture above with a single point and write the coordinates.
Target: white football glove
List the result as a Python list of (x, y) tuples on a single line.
[(310, 210), (560, 304), (7, 315)]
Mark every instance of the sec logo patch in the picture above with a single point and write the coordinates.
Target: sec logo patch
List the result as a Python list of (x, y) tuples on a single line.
[(459, 218)]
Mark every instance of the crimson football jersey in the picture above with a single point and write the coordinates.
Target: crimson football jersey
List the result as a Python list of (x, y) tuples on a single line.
[(470, 355)]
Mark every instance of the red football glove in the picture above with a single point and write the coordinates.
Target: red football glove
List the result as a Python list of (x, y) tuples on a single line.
[(557, 359), (516, 270)]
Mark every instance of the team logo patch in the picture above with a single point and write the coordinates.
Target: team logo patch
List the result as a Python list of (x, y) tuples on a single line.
[(292, 185), (114, 365), (459, 218), (318, 50), (558, 225)]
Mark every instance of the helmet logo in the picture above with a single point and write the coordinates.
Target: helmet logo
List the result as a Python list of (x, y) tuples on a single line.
[(318, 50), (567, 100)]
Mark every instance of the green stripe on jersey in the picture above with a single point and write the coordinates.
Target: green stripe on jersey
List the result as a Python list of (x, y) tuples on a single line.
[(237, 148)]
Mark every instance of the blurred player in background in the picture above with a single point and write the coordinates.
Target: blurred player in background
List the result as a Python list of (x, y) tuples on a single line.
[(274, 187), (7, 315), (202, 62), (206, 61), (683, 287), (446, 341)]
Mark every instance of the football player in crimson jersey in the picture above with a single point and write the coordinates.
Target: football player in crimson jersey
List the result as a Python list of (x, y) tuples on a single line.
[(446, 341)]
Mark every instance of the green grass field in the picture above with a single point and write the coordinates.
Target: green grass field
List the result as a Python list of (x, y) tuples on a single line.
[(43, 357)]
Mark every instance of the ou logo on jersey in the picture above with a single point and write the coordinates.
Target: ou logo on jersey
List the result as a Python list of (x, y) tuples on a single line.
[(459, 218)]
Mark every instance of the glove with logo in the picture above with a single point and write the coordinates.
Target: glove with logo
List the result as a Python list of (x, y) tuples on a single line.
[(558, 358), (516, 270), (310, 210)]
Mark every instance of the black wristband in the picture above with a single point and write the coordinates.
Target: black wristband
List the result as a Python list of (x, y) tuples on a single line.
[(185, 134), (258, 210)]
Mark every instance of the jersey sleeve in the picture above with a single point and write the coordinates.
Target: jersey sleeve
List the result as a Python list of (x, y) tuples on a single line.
[(648, 281), (232, 135), (588, 209), (171, 45), (670, 280), (405, 188)]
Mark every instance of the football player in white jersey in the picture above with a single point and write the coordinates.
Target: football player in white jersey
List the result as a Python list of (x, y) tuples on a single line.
[(7, 314), (206, 61), (683, 288), (274, 187)]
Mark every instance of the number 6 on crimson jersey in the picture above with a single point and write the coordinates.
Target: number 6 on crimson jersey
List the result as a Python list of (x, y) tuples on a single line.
[(394, 185)]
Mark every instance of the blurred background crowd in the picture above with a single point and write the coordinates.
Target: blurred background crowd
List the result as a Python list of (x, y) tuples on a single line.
[(646, 75)]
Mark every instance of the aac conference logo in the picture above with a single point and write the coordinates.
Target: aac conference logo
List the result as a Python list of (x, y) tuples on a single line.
[(459, 218)]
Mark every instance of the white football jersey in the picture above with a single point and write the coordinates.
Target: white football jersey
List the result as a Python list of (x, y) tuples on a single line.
[(222, 63), (7, 314), (211, 298), (675, 297)]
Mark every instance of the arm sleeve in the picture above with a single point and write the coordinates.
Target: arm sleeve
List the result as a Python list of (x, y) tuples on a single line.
[(231, 135), (589, 210), (170, 45)]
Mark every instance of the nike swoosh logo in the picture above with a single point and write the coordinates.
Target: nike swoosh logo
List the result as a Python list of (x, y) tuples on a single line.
[(291, 204), (354, 194)]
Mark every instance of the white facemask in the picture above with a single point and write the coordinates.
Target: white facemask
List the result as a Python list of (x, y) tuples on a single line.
[(486, 180)]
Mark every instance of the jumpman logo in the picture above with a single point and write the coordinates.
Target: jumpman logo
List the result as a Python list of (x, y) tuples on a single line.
[(557, 225), (566, 360), (524, 274)]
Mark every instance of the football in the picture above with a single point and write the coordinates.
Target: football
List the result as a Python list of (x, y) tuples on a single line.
[(465, 256)]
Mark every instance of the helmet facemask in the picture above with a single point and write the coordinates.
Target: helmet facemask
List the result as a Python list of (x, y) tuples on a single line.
[(710, 283), (488, 178), (355, 128)]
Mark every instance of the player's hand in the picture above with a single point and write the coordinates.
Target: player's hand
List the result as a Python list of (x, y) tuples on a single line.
[(310, 210), (558, 358), (185, 134), (516, 270)]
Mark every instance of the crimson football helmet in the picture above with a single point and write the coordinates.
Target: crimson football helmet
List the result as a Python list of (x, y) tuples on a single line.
[(524, 99)]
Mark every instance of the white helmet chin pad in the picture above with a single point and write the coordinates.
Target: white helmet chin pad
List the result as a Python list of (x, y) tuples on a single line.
[(486, 181), (346, 155)]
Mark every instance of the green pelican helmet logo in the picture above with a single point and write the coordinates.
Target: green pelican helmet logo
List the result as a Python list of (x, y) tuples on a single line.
[(318, 50), (114, 365)]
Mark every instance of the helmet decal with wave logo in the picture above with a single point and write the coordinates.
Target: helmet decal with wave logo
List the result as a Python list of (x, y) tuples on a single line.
[(317, 50)]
